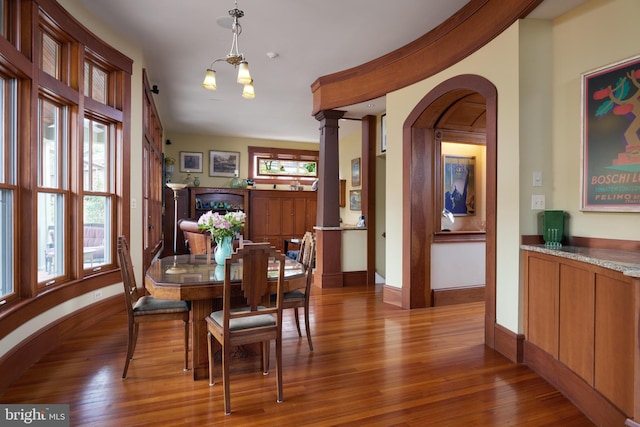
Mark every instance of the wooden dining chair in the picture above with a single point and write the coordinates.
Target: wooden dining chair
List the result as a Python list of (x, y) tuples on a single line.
[(258, 321), (147, 308), (297, 298), (198, 241)]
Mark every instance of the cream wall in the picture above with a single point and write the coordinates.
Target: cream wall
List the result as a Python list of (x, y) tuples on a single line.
[(350, 148), (535, 93), (498, 63), (597, 34), (204, 143)]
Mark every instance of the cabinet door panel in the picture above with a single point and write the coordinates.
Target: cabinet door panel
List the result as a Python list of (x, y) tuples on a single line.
[(299, 220), (614, 341), (543, 304), (311, 214), (577, 320), (259, 209), (288, 217)]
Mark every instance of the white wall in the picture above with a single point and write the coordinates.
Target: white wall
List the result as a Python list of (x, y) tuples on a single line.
[(455, 265)]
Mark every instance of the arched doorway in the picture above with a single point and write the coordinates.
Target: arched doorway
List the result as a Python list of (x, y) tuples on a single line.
[(418, 152)]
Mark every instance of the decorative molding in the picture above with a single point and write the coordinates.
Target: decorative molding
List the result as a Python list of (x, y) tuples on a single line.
[(508, 343), (459, 295), (469, 29), (354, 278), (392, 295)]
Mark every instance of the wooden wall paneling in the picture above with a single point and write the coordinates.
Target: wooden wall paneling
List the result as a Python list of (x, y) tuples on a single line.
[(577, 320)]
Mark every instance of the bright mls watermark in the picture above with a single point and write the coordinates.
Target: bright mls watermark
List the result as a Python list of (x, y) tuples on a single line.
[(34, 415)]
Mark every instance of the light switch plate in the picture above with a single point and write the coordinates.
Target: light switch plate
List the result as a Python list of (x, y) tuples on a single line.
[(537, 179), (537, 202)]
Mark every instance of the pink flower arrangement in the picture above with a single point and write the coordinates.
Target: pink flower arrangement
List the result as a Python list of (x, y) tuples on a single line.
[(221, 226)]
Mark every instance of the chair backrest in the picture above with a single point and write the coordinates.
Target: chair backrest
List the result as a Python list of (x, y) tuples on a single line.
[(199, 241), (255, 258), (128, 276), (307, 253)]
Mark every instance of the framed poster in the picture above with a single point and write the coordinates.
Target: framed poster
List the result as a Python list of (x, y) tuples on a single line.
[(355, 200), (190, 162), (610, 139), (383, 133), (224, 163), (355, 172), (459, 185)]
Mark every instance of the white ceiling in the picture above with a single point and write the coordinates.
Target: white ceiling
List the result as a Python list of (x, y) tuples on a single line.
[(180, 40)]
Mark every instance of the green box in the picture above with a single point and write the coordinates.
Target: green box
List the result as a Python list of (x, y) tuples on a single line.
[(553, 226)]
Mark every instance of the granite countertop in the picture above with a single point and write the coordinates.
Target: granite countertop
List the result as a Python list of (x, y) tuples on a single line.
[(626, 262)]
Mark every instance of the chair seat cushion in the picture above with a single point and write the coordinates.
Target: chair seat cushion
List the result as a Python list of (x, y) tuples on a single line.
[(293, 254), (149, 305), (296, 294), (244, 322)]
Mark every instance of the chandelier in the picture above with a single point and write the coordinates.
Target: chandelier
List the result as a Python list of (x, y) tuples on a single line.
[(235, 58)]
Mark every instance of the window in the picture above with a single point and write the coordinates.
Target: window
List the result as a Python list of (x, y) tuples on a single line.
[(278, 165), (99, 196), (96, 82), (64, 156), (52, 189), (50, 50), (8, 109)]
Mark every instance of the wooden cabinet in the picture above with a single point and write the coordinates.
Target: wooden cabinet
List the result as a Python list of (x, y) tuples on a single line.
[(585, 317), (221, 200), (279, 215), (193, 202)]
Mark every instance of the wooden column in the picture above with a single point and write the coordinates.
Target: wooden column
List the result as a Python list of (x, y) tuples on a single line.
[(328, 272)]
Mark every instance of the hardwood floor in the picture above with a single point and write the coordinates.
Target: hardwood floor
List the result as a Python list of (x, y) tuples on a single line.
[(373, 364)]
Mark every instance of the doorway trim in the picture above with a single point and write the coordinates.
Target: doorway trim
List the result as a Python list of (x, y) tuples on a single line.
[(417, 230)]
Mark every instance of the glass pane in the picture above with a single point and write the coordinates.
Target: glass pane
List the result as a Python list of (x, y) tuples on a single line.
[(50, 56), (6, 243), (49, 144), (97, 229), (99, 85), (50, 236), (87, 78), (98, 157)]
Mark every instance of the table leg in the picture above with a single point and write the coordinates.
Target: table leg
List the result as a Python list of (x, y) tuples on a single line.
[(199, 357)]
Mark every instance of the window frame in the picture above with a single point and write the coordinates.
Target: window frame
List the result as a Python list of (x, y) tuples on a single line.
[(260, 154)]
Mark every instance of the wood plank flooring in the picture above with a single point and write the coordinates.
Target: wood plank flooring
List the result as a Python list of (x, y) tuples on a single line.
[(373, 365)]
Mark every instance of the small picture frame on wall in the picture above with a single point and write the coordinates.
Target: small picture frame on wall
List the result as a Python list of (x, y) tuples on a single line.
[(190, 162), (355, 200), (224, 163), (355, 172), (383, 133)]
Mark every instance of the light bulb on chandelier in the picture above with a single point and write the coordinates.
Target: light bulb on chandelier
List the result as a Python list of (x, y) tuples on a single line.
[(235, 58)]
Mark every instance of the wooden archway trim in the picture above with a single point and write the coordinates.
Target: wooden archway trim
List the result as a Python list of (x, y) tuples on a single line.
[(417, 161), (473, 26)]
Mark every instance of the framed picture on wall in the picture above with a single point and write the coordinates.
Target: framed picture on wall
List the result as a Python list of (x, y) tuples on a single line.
[(383, 133), (355, 200), (355, 172), (224, 163), (610, 138), (190, 162), (459, 184)]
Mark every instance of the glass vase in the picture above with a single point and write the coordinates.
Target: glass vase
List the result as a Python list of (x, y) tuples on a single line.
[(223, 249)]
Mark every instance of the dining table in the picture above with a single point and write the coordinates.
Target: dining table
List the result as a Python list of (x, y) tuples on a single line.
[(199, 280)]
